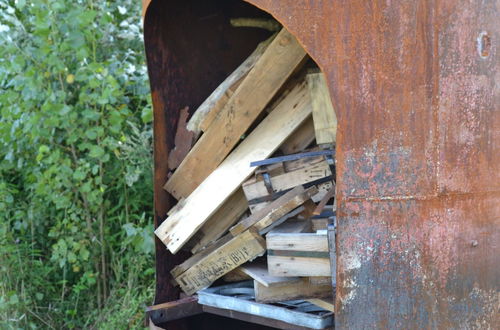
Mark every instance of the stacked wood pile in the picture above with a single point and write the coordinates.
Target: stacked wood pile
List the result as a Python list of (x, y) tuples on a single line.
[(253, 172)]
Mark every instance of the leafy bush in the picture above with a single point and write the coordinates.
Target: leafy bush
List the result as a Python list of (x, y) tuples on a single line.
[(76, 171)]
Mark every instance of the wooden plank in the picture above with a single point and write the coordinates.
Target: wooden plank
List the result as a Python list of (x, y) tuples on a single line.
[(329, 195), (333, 252), (184, 139), (179, 269), (212, 105), (176, 230), (258, 271), (300, 172), (298, 266), (297, 242), (236, 275), (301, 139), (268, 322), (289, 158), (293, 226), (221, 220), (219, 105), (327, 304), (279, 60), (174, 310), (275, 210), (319, 224), (242, 248), (303, 289), (325, 119)]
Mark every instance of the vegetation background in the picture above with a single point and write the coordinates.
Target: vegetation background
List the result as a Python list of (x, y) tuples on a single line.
[(76, 245)]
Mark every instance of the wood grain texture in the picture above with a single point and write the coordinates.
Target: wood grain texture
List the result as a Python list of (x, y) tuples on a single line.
[(303, 289), (217, 225), (297, 242), (178, 228), (258, 271), (219, 97), (275, 210), (240, 249), (301, 139), (325, 120), (298, 266), (263, 81)]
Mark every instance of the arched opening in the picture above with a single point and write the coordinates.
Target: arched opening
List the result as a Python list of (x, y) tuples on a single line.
[(191, 48)]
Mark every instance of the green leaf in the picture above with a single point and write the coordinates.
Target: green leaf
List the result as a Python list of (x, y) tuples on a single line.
[(96, 152)]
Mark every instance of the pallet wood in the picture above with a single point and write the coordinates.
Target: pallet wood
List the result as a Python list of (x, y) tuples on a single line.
[(298, 266), (293, 226), (298, 254), (236, 275), (178, 228), (275, 210), (327, 304), (174, 310), (297, 242), (303, 289), (301, 139), (242, 248), (258, 272), (277, 63), (331, 233), (221, 220), (212, 105), (184, 139), (299, 172), (325, 119), (319, 224)]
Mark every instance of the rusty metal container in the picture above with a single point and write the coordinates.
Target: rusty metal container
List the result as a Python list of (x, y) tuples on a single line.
[(416, 86)]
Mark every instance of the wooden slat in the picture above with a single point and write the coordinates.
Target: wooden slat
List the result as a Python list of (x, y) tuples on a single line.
[(327, 304), (325, 119), (275, 210), (297, 242), (298, 266), (258, 271), (176, 230), (301, 139), (293, 226), (274, 67), (219, 97), (242, 248), (303, 289), (221, 220), (319, 224), (174, 310)]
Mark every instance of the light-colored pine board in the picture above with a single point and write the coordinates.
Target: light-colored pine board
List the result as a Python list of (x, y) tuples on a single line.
[(298, 266), (258, 271), (275, 210), (178, 228), (274, 67), (319, 224), (297, 242), (242, 248), (325, 119), (221, 220), (219, 97), (303, 289), (179, 269), (301, 139), (327, 304)]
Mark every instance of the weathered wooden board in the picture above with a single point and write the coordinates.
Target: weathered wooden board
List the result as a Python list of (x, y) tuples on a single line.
[(258, 271), (297, 242), (242, 248), (301, 139), (303, 289), (325, 119), (298, 266), (217, 225), (298, 254), (263, 81), (275, 210), (174, 310), (327, 304), (219, 97), (299, 172), (176, 230), (319, 224), (183, 141)]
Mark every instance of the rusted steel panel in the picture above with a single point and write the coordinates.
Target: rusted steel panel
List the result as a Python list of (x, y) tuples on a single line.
[(418, 159)]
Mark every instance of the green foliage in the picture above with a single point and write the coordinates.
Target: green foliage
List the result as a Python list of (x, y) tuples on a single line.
[(76, 248)]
